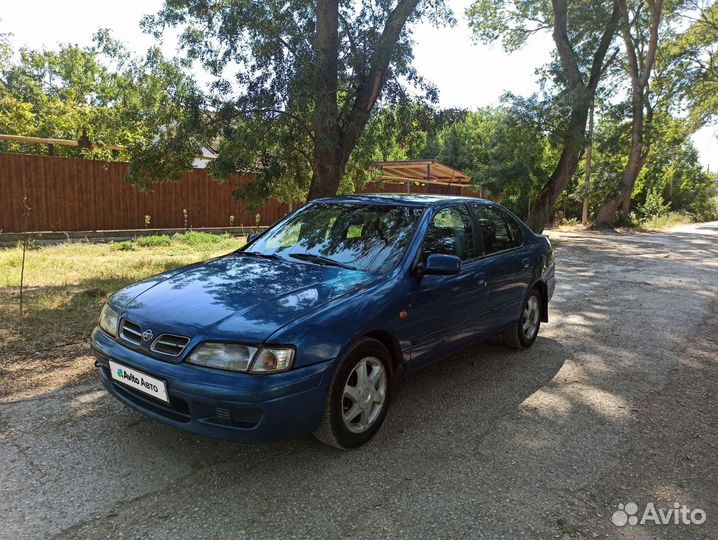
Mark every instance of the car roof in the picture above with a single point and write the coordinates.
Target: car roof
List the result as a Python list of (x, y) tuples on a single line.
[(401, 199)]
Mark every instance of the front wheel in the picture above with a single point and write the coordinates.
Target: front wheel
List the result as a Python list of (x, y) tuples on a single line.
[(523, 334), (359, 396)]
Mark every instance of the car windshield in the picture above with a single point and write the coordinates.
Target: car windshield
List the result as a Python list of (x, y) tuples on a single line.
[(370, 238)]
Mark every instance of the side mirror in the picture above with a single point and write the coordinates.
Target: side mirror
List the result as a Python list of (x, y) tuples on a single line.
[(442, 265), (252, 237)]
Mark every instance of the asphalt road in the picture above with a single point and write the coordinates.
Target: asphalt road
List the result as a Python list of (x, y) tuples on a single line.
[(615, 403)]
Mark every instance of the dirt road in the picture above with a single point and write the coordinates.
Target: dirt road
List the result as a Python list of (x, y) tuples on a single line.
[(615, 404)]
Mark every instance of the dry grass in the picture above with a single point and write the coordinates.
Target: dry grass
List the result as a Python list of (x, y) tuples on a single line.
[(66, 286), (662, 223)]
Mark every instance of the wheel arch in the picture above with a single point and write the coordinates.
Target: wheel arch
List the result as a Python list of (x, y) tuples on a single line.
[(392, 345)]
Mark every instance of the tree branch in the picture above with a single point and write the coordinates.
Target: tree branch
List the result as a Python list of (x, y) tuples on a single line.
[(563, 44), (655, 6), (606, 38), (370, 89)]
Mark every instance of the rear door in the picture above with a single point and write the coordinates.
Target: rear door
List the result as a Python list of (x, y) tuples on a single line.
[(509, 271)]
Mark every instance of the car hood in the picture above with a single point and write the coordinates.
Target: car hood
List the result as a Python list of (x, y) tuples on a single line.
[(236, 297)]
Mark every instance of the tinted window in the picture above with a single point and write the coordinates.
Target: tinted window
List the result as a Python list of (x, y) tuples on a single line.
[(371, 238), (494, 232), (450, 234), (514, 229)]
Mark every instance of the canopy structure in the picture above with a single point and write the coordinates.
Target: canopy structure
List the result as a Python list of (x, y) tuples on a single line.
[(424, 171)]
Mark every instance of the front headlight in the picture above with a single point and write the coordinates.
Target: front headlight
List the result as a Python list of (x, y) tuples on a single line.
[(229, 356), (108, 320), (237, 357)]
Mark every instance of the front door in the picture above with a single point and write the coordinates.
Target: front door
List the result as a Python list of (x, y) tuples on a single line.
[(445, 310)]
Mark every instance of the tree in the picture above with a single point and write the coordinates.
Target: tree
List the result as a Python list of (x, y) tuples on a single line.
[(692, 62), (117, 98), (502, 149), (640, 32), (582, 32), (294, 83)]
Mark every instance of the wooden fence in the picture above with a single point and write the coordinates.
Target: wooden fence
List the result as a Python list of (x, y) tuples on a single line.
[(44, 193)]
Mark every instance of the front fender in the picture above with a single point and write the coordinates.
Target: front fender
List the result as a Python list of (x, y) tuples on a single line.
[(327, 332)]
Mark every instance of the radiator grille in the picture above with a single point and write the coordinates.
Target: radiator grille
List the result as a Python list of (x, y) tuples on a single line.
[(131, 332), (170, 344)]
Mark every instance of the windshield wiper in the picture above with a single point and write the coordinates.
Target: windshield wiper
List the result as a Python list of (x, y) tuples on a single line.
[(320, 259), (258, 254)]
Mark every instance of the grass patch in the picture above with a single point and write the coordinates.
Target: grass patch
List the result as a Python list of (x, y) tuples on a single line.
[(84, 262), (672, 219), (66, 285), (153, 241)]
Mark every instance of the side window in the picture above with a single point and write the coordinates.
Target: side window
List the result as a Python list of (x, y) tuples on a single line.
[(450, 234), (514, 229), (493, 229)]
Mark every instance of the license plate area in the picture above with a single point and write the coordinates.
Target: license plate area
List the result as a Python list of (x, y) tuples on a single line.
[(140, 381)]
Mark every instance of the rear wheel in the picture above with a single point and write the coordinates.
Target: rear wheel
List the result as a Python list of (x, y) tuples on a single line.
[(523, 334), (359, 396)]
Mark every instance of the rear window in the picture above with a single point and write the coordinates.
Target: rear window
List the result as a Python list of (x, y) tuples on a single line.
[(494, 232), (514, 229)]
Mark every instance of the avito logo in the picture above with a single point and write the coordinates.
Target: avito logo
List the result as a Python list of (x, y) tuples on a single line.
[(128, 376), (680, 514)]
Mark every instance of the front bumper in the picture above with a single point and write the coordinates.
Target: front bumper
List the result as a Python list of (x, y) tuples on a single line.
[(224, 405)]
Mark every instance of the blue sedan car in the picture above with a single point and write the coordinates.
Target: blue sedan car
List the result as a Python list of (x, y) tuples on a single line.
[(307, 328)]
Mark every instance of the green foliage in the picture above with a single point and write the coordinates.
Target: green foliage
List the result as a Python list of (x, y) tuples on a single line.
[(260, 107), (654, 205), (118, 98), (690, 62), (197, 238), (672, 169), (666, 221), (153, 240), (191, 239), (123, 246), (502, 150)]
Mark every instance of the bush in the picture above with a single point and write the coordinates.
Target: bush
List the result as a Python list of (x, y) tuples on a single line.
[(655, 206), (153, 241), (123, 246), (629, 221)]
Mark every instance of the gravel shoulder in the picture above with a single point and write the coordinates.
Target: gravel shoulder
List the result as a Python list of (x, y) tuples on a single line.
[(615, 403)]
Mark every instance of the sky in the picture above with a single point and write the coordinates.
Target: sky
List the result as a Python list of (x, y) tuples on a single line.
[(467, 74)]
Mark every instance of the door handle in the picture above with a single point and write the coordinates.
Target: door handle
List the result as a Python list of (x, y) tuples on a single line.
[(525, 262), (481, 280)]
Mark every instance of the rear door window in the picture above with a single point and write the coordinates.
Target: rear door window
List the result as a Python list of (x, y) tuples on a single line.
[(494, 232), (514, 229)]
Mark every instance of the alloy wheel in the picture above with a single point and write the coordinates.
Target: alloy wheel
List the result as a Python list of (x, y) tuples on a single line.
[(530, 318), (364, 395)]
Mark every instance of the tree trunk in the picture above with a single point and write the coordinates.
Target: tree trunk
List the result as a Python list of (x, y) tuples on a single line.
[(372, 86), (327, 146), (589, 156), (639, 73), (608, 211), (334, 143), (582, 96), (540, 214)]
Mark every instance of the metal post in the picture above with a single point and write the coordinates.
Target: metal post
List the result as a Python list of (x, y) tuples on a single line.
[(589, 151)]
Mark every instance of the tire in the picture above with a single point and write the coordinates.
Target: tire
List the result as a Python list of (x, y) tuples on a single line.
[(355, 409), (525, 331)]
